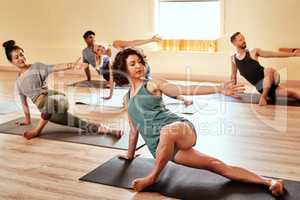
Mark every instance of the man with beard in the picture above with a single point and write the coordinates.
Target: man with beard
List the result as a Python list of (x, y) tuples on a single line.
[(266, 80)]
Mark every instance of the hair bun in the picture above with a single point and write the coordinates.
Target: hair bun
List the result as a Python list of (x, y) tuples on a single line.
[(9, 44)]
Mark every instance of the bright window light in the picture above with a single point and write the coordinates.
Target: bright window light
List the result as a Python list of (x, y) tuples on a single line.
[(189, 20)]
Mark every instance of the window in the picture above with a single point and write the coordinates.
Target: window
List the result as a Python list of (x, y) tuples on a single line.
[(189, 19)]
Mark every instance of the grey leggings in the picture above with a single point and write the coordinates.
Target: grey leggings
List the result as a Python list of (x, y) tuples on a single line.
[(54, 108)]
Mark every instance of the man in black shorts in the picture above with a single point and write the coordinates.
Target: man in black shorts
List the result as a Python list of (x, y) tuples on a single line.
[(266, 80)]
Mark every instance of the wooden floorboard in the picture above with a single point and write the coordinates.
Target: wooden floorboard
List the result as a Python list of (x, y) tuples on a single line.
[(263, 139)]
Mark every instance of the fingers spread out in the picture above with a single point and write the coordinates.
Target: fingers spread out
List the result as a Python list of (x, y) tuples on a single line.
[(238, 86), (238, 90)]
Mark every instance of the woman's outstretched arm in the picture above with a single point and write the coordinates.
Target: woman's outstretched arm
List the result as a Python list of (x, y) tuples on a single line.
[(171, 89), (111, 83), (121, 44), (26, 110), (68, 66)]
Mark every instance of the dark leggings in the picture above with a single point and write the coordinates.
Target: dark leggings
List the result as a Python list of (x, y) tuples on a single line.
[(54, 108)]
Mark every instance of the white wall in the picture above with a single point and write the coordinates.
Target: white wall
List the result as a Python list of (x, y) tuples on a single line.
[(51, 31)]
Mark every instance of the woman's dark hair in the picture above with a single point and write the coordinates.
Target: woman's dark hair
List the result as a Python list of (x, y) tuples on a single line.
[(88, 33), (9, 47), (120, 73)]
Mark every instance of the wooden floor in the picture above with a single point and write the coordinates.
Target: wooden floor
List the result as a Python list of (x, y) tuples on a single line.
[(263, 139)]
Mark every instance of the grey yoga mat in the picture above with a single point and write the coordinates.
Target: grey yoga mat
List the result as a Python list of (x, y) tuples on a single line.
[(69, 134), (90, 84), (183, 182), (253, 98)]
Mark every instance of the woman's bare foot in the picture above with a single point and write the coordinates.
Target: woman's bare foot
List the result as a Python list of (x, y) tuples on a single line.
[(31, 134), (262, 101), (109, 131), (277, 187), (142, 183)]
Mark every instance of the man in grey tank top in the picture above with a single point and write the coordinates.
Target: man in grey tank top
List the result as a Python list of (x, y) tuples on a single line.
[(88, 54)]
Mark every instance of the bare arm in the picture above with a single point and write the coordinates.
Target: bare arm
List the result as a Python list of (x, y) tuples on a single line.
[(68, 66), (233, 77), (121, 44), (111, 83), (273, 54), (26, 112), (175, 90), (133, 138)]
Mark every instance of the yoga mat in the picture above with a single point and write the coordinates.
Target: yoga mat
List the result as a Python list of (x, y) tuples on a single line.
[(7, 107), (182, 182), (95, 84), (97, 99), (254, 99), (251, 98), (90, 84), (69, 134)]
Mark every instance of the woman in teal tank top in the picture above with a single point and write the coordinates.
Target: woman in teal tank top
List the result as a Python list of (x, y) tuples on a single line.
[(168, 136)]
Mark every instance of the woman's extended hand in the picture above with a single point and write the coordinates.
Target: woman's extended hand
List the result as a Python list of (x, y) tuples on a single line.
[(229, 89)]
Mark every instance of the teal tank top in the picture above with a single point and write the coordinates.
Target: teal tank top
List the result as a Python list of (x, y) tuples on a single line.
[(149, 114)]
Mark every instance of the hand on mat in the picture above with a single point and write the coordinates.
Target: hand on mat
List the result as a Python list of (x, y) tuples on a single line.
[(126, 157), (25, 123), (229, 89)]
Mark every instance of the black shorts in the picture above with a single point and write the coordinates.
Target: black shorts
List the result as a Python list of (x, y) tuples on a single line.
[(106, 75), (272, 91)]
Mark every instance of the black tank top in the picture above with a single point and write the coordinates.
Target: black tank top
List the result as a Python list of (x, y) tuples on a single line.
[(250, 69)]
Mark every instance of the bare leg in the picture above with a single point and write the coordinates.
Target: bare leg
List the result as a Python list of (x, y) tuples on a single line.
[(36, 131), (178, 133), (267, 83), (87, 73), (195, 159), (285, 92), (183, 136)]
